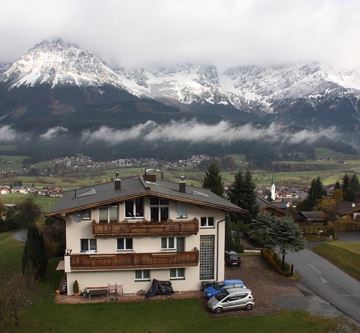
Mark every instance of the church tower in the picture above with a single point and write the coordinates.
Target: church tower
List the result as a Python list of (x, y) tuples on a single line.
[(273, 189)]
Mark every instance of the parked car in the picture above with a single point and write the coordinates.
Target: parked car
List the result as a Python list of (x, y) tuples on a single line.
[(232, 258), (232, 298), (217, 287)]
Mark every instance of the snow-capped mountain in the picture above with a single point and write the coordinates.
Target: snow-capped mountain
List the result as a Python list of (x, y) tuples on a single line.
[(58, 63), (64, 78)]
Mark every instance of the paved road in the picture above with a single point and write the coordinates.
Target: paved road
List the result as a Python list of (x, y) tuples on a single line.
[(327, 281), (20, 235)]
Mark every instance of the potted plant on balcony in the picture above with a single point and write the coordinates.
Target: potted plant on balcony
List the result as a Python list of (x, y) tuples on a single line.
[(76, 288)]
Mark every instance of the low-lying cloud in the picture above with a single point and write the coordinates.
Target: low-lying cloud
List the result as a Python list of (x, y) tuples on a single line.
[(194, 132), (53, 132), (7, 134)]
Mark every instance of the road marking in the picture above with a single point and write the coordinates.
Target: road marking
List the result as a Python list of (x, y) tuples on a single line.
[(323, 280), (315, 269)]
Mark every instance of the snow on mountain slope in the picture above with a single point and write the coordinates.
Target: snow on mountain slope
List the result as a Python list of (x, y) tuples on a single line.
[(245, 87), (58, 63)]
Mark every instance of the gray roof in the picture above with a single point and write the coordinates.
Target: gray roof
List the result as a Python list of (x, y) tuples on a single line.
[(313, 214), (96, 195)]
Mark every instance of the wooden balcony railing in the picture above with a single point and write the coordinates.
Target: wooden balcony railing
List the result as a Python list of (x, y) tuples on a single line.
[(145, 228), (134, 260)]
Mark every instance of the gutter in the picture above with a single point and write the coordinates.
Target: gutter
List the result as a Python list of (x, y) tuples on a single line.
[(217, 247)]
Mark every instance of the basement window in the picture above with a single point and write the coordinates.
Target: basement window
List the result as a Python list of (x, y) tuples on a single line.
[(142, 275), (177, 274)]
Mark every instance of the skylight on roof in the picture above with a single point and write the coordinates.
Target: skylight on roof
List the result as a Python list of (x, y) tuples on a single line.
[(201, 194), (85, 194)]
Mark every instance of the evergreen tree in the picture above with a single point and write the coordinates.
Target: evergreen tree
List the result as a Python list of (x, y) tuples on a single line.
[(213, 181), (34, 261), (250, 203), (345, 182), (27, 212), (352, 191), (287, 236), (242, 192), (316, 192), (337, 186)]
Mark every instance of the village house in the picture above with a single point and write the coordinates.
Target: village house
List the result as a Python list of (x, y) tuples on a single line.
[(349, 210), (131, 231)]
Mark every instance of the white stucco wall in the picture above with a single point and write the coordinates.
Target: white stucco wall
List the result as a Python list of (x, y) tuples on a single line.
[(83, 229), (127, 280)]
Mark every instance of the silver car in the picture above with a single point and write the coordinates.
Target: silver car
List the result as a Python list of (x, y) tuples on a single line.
[(232, 298)]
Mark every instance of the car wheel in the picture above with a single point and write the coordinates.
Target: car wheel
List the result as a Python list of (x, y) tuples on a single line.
[(249, 307), (218, 310)]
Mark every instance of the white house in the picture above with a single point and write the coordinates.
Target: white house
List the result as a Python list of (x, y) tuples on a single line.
[(134, 230)]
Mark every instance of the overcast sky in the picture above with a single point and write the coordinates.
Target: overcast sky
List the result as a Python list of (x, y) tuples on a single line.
[(223, 32)]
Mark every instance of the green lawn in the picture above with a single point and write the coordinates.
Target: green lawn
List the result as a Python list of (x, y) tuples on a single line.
[(45, 203), (344, 255), (43, 315), (11, 162)]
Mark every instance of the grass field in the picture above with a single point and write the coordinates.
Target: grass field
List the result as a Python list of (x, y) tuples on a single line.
[(12, 162), (344, 255), (45, 203), (43, 315)]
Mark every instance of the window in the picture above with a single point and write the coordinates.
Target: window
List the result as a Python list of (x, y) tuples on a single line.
[(207, 257), (177, 273), (108, 214), (181, 211), (134, 208), (159, 209), (173, 243), (124, 244), (207, 222), (82, 215), (87, 245), (142, 275)]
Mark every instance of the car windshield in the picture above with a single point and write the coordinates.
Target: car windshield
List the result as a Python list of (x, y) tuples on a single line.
[(234, 257), (221, 295), (218, 285)]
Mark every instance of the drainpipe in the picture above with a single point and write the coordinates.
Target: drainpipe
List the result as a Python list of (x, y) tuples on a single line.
[(217, 248)]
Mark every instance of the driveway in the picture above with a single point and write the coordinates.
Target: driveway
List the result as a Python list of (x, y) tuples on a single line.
[(349, 236), (327, 281), (265, 283)]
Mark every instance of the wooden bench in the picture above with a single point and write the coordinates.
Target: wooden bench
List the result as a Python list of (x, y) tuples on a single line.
[(96, 291)]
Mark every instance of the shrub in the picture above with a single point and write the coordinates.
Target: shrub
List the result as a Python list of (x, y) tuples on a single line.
[(76, 287)]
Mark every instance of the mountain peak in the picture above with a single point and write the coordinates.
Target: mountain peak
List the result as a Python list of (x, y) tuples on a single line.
[(56, 62)]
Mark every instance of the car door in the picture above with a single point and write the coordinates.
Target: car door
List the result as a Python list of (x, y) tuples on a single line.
[(226, 302)]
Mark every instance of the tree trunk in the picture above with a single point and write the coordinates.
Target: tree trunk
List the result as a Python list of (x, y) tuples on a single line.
[(283, 259)]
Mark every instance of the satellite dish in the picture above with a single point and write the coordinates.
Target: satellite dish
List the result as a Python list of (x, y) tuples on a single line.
[(77, 217)]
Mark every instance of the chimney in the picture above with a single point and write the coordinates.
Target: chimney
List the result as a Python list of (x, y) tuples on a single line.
[(182, 185), (117, 182), (149, 177)]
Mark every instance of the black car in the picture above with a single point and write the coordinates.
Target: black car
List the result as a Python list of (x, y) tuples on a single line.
[(232, 258)]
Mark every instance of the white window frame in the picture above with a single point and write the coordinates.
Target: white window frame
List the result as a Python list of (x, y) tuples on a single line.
[(134, 209), (108, 212), (159, 205), (177, 274), (142, 275), (89, 245), (125, 249), (82, 213), (207, 222), (167, 248)]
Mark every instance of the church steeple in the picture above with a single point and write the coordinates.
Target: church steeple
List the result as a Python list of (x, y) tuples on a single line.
[(273, 189)]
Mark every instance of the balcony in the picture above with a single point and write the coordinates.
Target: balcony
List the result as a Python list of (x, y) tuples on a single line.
[(145, 228), (134, 260)]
